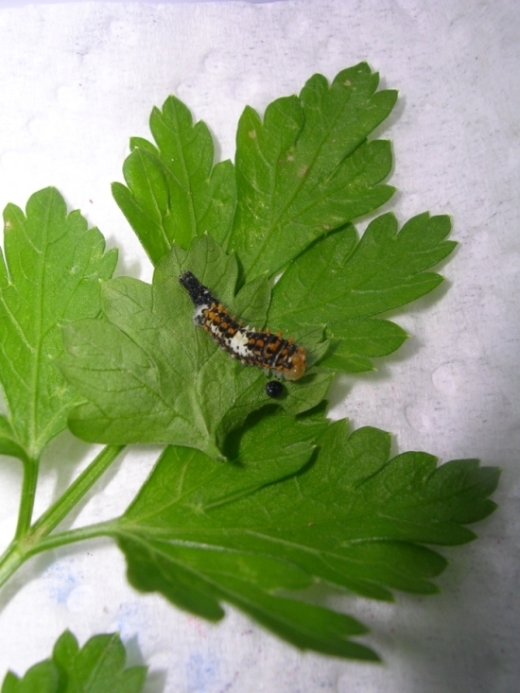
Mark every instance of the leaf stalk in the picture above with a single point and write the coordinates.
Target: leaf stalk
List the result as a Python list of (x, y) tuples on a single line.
[(32, 539), (28, 494)]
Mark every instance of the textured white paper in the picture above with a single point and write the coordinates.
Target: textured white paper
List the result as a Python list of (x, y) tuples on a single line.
[(76, 81)]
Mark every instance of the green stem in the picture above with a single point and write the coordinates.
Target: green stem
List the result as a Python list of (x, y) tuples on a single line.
[(31, 539), (10, 561), (72, 536), (28, 494), (76, 491)]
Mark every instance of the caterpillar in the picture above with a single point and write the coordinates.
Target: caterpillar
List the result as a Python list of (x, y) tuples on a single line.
[(269, 351)]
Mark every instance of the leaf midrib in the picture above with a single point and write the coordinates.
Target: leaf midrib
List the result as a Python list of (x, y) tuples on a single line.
[(189, 197), (36, 369)]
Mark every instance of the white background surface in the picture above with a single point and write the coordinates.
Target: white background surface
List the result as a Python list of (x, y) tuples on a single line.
[(76, 81)]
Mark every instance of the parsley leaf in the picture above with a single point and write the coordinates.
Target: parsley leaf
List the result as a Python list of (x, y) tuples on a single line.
[(49, 277), (282, 518), (341, 283), (174, 192), (98, 667), (307, 168)]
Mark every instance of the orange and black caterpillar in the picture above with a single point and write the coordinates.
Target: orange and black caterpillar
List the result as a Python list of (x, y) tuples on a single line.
[(265, 349)]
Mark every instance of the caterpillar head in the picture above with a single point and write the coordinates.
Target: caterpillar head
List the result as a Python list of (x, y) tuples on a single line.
[(298, 365)]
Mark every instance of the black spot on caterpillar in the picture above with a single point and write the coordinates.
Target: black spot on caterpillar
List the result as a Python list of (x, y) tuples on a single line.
[(265, 349)]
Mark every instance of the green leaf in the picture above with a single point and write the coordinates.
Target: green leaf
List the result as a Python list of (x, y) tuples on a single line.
[(150, 375), (49, 278), (342, 284), (40, 678), (202, 532), (307, 168), (174, 192), (355, 342), (98, 667), (303, 171)]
